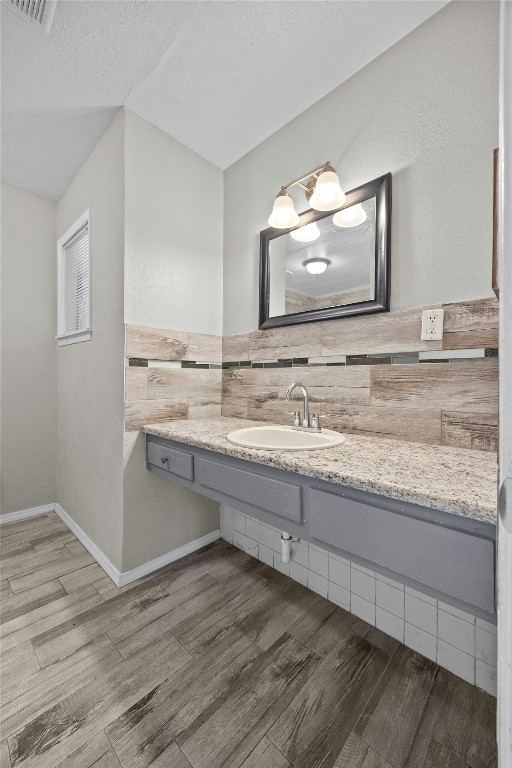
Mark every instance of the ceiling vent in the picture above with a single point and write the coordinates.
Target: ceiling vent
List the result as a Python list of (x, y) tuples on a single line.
[(37, 11)]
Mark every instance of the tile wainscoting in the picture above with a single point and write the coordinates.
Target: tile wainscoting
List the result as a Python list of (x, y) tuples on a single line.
[(456, 640)]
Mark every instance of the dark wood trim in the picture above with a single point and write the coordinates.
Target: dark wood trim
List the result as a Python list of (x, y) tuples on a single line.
[(380, 189), (495, 286)]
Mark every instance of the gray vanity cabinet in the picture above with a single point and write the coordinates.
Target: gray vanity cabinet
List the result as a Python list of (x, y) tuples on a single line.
[(447, 556)]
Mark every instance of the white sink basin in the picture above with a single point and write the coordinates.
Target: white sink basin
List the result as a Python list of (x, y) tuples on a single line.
[(277, 438)]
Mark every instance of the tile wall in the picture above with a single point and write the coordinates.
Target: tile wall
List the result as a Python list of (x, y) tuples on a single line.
[(171, 375), (372, 375), (456, 640)]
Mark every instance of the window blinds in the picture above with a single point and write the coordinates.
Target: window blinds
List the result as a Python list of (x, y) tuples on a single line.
[(76, 282)]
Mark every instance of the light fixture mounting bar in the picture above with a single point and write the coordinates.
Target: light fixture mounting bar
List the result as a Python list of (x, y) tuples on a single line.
[(307, 175)]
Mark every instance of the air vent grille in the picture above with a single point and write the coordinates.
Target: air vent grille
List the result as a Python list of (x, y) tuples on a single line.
[(38, 11)]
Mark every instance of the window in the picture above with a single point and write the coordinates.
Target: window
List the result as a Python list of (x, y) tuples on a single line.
[(74, 283)]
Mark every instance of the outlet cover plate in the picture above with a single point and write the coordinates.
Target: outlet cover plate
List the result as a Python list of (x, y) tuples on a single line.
[(432, 321)]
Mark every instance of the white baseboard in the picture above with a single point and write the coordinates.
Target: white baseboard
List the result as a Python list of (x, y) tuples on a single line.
[(119, 578), (175, 554), (23, 514), (90, 546)]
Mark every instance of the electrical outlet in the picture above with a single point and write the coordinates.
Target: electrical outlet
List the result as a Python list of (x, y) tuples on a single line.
[(432, 324)]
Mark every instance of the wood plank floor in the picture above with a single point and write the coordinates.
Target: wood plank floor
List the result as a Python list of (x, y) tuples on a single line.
[(216, 660)]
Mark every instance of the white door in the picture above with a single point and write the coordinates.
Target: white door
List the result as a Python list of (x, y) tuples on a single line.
[(505, 454)]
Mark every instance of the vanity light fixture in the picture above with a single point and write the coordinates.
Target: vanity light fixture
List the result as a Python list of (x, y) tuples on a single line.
[(316, 266), (350, 217), (306, 234), (322, 189)]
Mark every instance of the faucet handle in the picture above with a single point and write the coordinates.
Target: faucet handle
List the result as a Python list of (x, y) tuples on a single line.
[(315, 420), (296, 417)]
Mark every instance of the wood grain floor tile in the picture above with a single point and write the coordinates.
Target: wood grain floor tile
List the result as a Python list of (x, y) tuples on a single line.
[(5, 589), (357, 754), (62, 729), (76, 547), (393, 725), (200, 685), (5, 758), (30, 560), (266, 755), (440, 757), (133, 633), (465, 725), (49, 572), (229, 725), (27, 601), (89, 754), (53, 540), (17, 665), (83, 577), (335, 631), (145, 731), (51, 614), (57, 682), (68, 637), (314, 728)]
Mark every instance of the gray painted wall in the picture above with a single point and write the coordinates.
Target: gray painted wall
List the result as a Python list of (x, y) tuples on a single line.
[(29, 303), (173, 248), (90, 374), (426, 110)]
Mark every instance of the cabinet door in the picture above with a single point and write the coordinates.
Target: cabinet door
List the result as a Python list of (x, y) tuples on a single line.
[(280, 498), (452, 561)]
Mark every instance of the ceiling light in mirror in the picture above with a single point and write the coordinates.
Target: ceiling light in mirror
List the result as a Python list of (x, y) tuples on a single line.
[(316, 266), (283, 214), (306, 234), (350, 217)]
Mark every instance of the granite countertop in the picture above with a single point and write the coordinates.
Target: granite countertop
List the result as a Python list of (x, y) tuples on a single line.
[(454, 480)]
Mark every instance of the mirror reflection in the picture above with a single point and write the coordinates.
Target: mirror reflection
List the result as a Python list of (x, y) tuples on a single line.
[(327, 263)]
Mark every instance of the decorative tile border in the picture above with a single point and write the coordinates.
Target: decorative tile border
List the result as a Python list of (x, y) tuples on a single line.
[(397, 358), (454, 639)]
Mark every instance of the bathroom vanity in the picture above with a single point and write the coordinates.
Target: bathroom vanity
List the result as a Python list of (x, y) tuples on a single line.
[(423, 515)]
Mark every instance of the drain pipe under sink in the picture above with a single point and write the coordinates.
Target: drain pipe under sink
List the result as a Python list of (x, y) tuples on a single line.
[(286, 546)]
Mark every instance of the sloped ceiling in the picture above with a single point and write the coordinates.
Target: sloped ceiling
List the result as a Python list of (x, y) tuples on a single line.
[(218, 76)]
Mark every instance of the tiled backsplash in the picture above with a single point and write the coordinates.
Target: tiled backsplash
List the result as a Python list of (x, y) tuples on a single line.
[(378, 378), (157, 389), (370, 375), (456, 640)]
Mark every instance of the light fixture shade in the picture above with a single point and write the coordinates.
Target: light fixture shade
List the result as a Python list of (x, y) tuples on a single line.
[(283, 214), (350, 217), (328, 193), (316, 266), (306, 234)]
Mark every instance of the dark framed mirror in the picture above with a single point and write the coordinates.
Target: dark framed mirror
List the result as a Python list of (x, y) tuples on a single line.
[(332, 264)]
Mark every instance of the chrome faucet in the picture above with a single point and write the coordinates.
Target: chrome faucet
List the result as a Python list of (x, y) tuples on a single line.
[(305, 415)]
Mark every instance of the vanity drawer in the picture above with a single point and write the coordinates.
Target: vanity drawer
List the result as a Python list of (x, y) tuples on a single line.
[(454, 562), (173, 461), (283, 499)]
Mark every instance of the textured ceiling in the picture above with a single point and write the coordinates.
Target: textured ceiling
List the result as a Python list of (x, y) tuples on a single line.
[(218, 76)]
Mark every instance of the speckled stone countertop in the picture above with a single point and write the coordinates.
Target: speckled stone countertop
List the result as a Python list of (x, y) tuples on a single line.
[(454, 480)]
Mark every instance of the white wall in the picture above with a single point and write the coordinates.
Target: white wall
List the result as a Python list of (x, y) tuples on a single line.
[(172, 279), (29, 301), (426, 110), (173, 244), (90, 374)]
